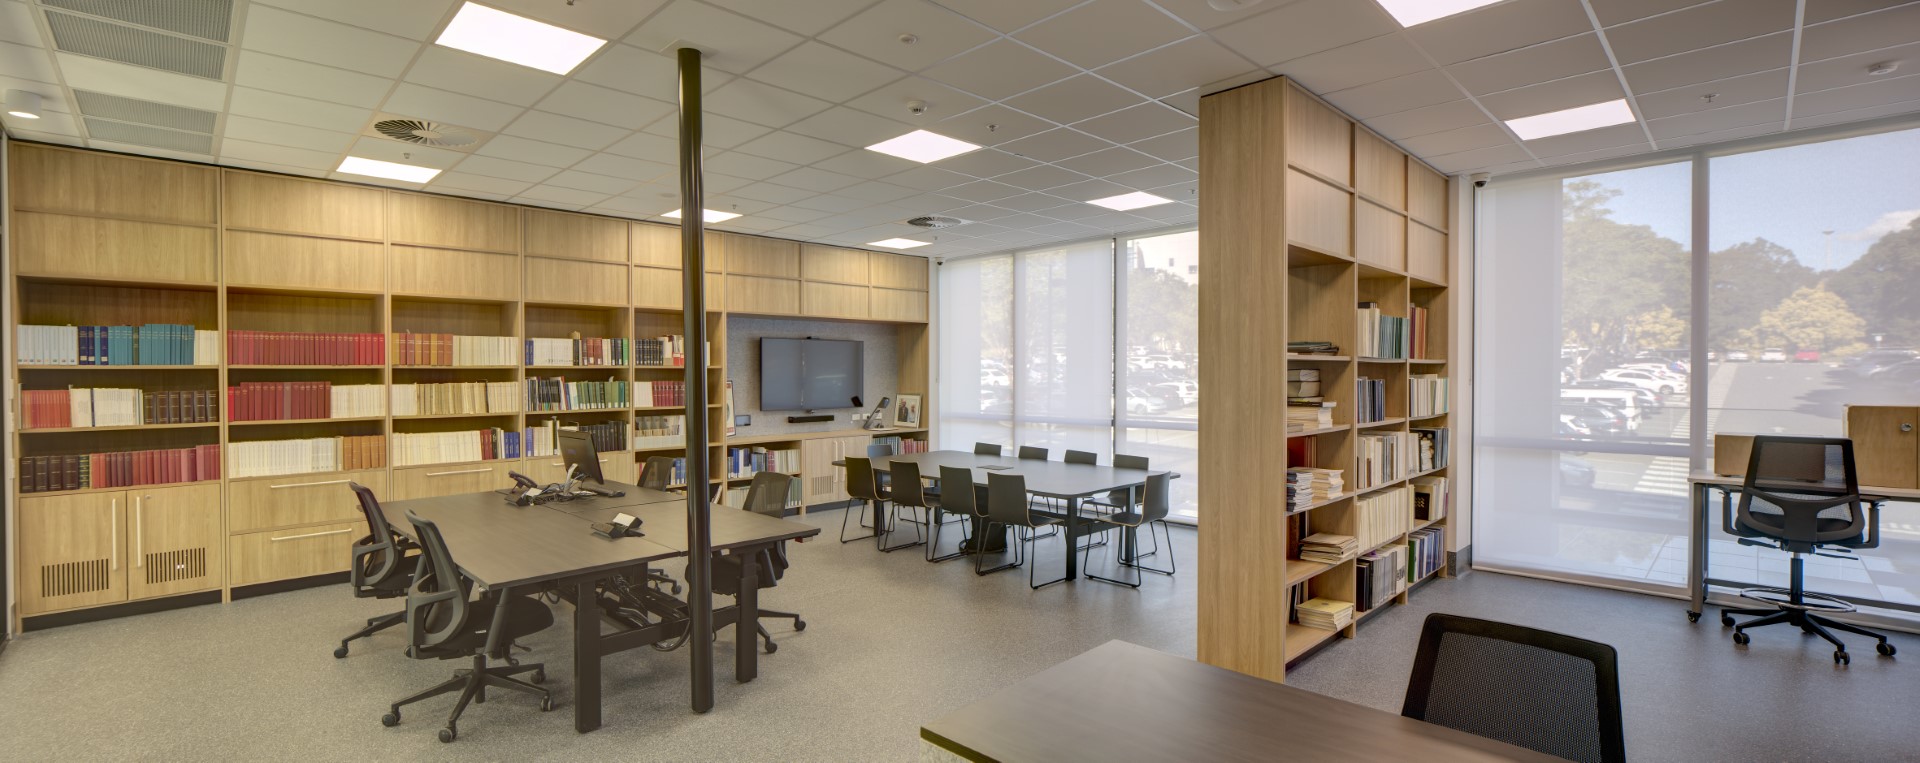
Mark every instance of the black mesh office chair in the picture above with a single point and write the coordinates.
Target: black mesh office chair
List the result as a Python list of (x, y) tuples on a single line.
[(1007, 505), (382, 566), (988, 449), (1801, 496), (767, 496), (1152, 511), (1530, 688), (657, 473), (443, 624)]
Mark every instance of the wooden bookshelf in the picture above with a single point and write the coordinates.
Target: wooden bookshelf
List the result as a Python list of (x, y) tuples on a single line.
[(1289, 179)]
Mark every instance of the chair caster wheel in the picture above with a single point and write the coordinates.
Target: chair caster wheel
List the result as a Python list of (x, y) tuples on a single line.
[(1884, 648), (340, 652), (1741, 638), (1726, 621), (676, 589), (799, 624), (448, 734), (546, 704), (1693, 617), (1840, 658), (772, 647), (390, 720), (539, 676)]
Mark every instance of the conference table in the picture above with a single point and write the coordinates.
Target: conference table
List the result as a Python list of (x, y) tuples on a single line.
[(501, 547)]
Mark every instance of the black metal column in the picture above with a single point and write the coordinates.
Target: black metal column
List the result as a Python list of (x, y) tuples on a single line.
[(693, 269)]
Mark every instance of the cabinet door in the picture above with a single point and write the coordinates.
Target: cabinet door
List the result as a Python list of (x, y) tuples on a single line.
[(451, 479), (294, 500), (264, 557), (821, 479), (70, 551), (833, 300), (1886, 444), (175, 541)]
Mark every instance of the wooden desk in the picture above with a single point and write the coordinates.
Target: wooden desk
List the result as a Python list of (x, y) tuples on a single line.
[(1121, 701)]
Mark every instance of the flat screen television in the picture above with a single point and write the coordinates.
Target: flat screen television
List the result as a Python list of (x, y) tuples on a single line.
[(810, 374)]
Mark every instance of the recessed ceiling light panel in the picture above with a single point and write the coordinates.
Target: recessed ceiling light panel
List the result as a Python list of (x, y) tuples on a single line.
[(924, 147), (1576, 119), (354, 165), (1126, 201), (23, 104), (1411, 12), (898, 243), (706, 215), (517, 39)]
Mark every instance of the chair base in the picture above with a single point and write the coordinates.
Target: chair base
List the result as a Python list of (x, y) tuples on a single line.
[(1130, 556), (862, 523), (472, 684), (798, 625), (939, 523), (374, 625), (1808, 621), (893, 522)]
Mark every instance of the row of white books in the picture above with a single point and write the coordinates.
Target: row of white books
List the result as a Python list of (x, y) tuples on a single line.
[(1426, 395), (1382, 516), (354, 401), (659, 431), (417, 448), (144, 345), (306, 456), (103, 407), (456, 398), (1382, 457)]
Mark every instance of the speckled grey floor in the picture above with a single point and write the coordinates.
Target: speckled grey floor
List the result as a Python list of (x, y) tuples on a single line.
[(892, 642)]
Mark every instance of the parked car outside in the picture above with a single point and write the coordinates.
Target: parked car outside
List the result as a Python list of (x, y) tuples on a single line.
[(1162, 362), (1737, 356), (1898, 373), (1658, 381), (1142, 402), (1876, 359), (1598, 418), (1575, 471), (1806, 356), (1773, 355), (1184, 392), (994, 377)]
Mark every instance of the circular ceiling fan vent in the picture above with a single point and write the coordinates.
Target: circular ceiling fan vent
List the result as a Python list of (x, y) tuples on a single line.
[(936, 222), (424, 132)]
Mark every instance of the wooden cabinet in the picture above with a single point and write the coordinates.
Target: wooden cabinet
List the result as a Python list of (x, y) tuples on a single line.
[(451, 479), (1426, 253), (48, 179), (1379, 169), (898, 271), (1318, 138), (100, 247), (176, 541), (1886, 444), (264, 557), (833, 300), (899, 305), (1379, 235), (451, 273), (454, 223), (298, 499), (822, 481), (296, 205), (655, 245), (1426, 194), (763, 296), (272, 259), (757, 256), (575, 282), (71, 549), (578, 237), (659, 288), (1318, 214), (615, 467), (833, 264)]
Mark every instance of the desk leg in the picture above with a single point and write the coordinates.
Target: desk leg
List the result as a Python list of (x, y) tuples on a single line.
[(1073, 524), (586, 657), (1697, 553), (746, 632)]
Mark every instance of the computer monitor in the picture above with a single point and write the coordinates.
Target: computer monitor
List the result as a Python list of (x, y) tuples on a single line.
[(576, 449)]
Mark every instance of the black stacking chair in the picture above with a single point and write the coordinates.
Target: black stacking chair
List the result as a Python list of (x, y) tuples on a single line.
[(1801, 496), (1544, 691), (988, 449), (766, 495), (1119, 500), (1031, 453), (862, 487), (1152, 512), (443, 624), (1007, 506), (382, 566), (1082, 457), (657, 473), (910, 491)]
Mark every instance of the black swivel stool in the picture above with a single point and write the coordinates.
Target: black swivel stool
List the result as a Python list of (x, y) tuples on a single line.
[(382, 568), (767, 496), (1531, 688)]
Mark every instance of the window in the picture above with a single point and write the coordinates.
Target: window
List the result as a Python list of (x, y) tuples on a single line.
[(1160, 375), (976, 351)]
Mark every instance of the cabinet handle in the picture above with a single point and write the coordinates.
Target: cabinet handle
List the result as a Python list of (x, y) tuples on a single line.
[(139, 529), (310, 484), (312, 535), (461, 471), (113, 523)]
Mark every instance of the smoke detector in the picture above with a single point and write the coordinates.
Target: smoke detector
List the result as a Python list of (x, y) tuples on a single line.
[(425, 132), (936, 222)]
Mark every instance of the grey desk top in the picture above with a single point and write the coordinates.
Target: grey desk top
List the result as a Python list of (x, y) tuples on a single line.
[(1120, 701), (666, 524), (1057, 479), (500, 545)]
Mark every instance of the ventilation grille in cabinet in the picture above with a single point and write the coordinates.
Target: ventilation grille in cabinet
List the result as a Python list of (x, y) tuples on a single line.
[(169, 566), (122, 109), (69, 578), (141, 135), (205, 19), (92, 37)]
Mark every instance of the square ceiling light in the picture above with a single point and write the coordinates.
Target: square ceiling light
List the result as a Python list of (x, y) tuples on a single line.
[(707, 215), (517, 39), (1412, 12), (898, 243), (1126, 201), (923, 147), (354, 165), (1576, 119)]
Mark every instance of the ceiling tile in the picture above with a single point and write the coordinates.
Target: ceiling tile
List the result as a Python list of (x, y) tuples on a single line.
[(792, 214), (587, 181), (17, 25), (115, 78), (1155, 176), (825, 72), (814, 179), (1202, 15), (503, 168), (792, 147), (875, 191), (653, 148), (827, 202), (1454, 141), (1125, 27), (554, 128), (938, 34), (1089, 189), (1172, 147), (1080, 212), (747, 166), (939, 101), (716, 183), (1028, 202), (1612, 12), (264, 104), (1007, 15), (716, 131), (1594, 156), (850, 128), (1829, 10), (1527, 66), (731, 42), (772, 194), (1554, 96), (928, 178), (1727, 92), (808, 18), (601, 20), (245, 164), (1181, 66), (1109, 162), (1054, 145), (1304, 28), (324, 42), (532, 151), (641, 72), (30, 62), (623, 167), (1895, 90), (991, 126), (1886, 28), (1760, 54), (604, 105), (1587, 141), (1722, 136), (1698, 27), (1380, 58), (575, 197), (1843, 117), (453, 108), (265, 152), (982, 191), (1137, 123), (1763, 112), (387, 150), (1477, 158), (283, 134), (1074, 99), (479, 76), (979, 213), (985, 163), (631, 208), (1398, 94), (1852, 70), (999, 70), (761, 103), (463, 181), (738, 205), (871, 165), (414, 19), (1040, 177), (1499, 28)]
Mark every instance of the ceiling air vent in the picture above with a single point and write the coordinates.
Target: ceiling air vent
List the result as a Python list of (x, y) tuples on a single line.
[(425, 132), (936, 222), (142, 135), (123, 109), (99, 39), (205, 19)]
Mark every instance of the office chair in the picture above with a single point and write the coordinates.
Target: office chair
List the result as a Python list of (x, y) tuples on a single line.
[(1007, 505), (880, 451), (1032, 453), (988, 449), (443, 624), (657, 474), (767, 496), (1531, 688), (911, 492), (1801, 496), (862, 487), (1082, 457), (382, 566), (1153, 511)]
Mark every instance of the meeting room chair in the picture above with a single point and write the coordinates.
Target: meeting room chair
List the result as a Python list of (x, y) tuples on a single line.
[(878, 452), (657, 474), (864, 488), (382, 566), (1007, 505), (1082, 457), (1033, 453), (988, 449), (1152, 511), (766, 496), (443, 623), (1801, 495), (1544, 691), (907, 492), (1118, 500)]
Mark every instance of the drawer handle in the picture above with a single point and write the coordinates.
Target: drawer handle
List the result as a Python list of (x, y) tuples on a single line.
[(462, 471), (311, 535), (310, 484)]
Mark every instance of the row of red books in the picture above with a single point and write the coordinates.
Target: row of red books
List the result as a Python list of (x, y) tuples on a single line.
[(277, 401), (40, 474), (660, 394), (289, 348)]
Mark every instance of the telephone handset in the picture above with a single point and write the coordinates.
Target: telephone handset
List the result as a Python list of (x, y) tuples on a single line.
[(623, 526)]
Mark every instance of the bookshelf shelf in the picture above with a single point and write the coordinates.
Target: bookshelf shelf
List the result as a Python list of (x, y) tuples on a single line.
[(1426, 524), (1441, 415), (426, 416), (86, 491), (566, 368), (117, 368), (1427, 361), (1300, 570), (1317, 504), (1359, 616), (341, 367), (1426, 473), (1384, 361), (1320, 431), (129, 428), (457, 368), (1310, 358), (1386, 422), (1301, 639), (276, 422)]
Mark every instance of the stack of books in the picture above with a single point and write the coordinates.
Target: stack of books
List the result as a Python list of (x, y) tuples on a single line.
[(1430, 498), (1431, 450), (417, 448), (280, 401), (1370, 404), (1308, 416), (659, 431), (1427, 552), (577, 352), (1382, 457), (661, 351), (558, 394), (1379, 576), (1382, 335), (152, 344), (411, 349), (543, 436), (456, 398), (308, 456), (1426, 395), (353, 401), (1382, 517), (87, 407), (1325, 614), (746, 462), (289, 348), (660, 394), (1328, 548), (1313, 348), (1307, 485), (1303, 385)]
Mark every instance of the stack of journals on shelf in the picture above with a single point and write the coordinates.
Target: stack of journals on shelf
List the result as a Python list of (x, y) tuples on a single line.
[(1308, 485), (41, 474), (1370, 400), (1382, 335), (105, 407), (1303, 385), (416, 448), (659, 431), (558, 394), (287, 348), (1417, 326), (1382, 517), (543, 440), (1427, 551), (456, 398), (1379, 576), (1426, 395), (660, 394), (1430, 498), (746, 462), (1325, 614), (1382, 457), (662, 351), (1431, 449), (152, 344), (577, 352), (452, 350), (307, 456), (1303, 417), (1327, 548), (901, 445), (1313, 348)]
